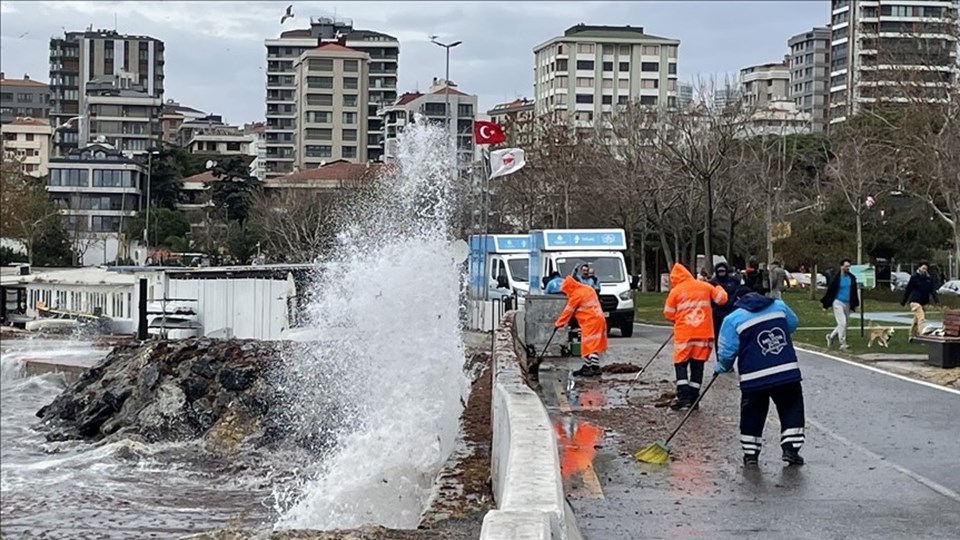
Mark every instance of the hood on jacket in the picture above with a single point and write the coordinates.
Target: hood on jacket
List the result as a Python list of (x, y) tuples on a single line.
[(753, 302), (679, 274), (719, 265), (569, 285)]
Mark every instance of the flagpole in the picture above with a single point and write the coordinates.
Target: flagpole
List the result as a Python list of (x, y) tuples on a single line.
[(485, 205)]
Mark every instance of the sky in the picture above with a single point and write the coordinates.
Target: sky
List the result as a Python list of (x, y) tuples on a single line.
[(215, 53)]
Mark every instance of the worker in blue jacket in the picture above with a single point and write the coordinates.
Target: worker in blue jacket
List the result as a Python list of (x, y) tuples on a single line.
[(553, 285), (757, 336)]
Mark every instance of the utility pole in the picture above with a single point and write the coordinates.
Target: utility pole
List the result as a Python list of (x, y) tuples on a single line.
[(446, 82), (146, 228)]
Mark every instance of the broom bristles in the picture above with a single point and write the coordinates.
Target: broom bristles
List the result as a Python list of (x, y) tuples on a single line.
[(656, 453)]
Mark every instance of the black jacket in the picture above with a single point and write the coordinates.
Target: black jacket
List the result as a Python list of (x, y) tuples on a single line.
[(834, 285), (920, 289)]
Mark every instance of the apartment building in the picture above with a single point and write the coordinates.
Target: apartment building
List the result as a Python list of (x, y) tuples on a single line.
[(590, 70), (809, 60), (172, 116), (432, 106), (765, 83), (282, 56), (890, 52), (23, 98), (133, 65), (27, 140), (96, 189), (777, 118), (258, 149), (331, 105), (517, 119)]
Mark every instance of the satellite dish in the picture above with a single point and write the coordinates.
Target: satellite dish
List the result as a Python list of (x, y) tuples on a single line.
[(460, 251), (211, 163), (322, 163)]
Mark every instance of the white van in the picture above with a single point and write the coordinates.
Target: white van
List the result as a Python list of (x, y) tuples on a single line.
[(499, 265)]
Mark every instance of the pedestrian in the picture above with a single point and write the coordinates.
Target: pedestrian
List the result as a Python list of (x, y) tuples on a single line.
[(553, 284), (753, 277), (689, 307), (843, 298), (778, 278), (757, 336), (920, 291), (583, 305), (730, 282)]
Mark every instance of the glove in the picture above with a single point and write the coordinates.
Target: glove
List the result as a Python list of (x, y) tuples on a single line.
[(719, 368)]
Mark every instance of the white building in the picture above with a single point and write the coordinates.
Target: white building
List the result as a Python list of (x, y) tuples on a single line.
[(258, 148), (590, 70), (27, 140), (778, 119), (765, 83)]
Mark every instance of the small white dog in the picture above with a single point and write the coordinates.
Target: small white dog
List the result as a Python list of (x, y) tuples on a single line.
[(881, 336)]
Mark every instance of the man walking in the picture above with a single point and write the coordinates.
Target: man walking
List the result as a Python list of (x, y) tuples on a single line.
[(843, 298), (688, 306), (730, 282), (921, 289), (757, 336), (778, 278), (583, 303)]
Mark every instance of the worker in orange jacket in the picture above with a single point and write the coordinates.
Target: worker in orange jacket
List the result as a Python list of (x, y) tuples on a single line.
[(689, 307), (583, 302)]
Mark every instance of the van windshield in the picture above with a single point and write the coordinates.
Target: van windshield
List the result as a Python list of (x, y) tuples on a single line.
[(519, 269), (607, 269)]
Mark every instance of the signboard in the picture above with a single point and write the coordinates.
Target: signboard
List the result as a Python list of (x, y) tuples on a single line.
[(511, 243), (866, 275), (584, 239)]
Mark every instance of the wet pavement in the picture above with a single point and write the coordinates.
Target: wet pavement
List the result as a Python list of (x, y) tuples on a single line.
[(881, 455)]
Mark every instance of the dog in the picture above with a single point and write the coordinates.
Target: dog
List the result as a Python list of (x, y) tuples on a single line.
[(881, 336)]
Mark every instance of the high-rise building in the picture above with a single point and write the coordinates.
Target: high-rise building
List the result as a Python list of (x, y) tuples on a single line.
[(590, 70), (765, 83), (23, 98), (331, 105), (810, 73), (107, 84), (282, 55), (886, 53)]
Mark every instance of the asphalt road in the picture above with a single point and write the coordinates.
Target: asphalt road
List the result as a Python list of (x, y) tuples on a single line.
[(883, 456)]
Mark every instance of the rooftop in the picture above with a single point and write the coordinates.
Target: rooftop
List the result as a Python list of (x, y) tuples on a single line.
[(407, 97), (28, 121), (331, 172), (25, 82), (73, 276), (354, 35), (603, 31), (205, 177), (511, 105)]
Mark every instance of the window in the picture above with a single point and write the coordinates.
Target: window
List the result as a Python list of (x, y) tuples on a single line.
[(10, 136), (105, 223), (607, 83), (648, 100), (319, 117), (103, 178), (322, 151), (586, 65), (649, 83), (350, 66), (559, 51), (623, 84), (319, 82), (350, 83), (349, 118), (672, 51), (624, 50), (562, 64), (348, 152), (586, 48), (320, 64), (609, 49), (465, 109), (584, 116), (24, 97), (584, 82), (68, 178), (349, 100), (318, 134), (29, 136), (608, 66), (651, 50), (584, 98), (233, 147), (650, 66), (606, 100), (624, 66), (349, 134), (322, 100), (672, 68)]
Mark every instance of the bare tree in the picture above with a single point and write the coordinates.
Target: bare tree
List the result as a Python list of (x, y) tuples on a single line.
[(27, 211), (300, 223)]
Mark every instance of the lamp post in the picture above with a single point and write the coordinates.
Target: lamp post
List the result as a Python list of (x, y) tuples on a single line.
[(446, 80), (146, 229)]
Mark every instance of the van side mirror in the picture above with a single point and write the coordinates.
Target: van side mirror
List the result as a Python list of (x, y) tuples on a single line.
[(635, 282), (502, 282)]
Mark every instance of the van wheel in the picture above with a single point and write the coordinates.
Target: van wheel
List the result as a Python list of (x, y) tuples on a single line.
[(626, 330)]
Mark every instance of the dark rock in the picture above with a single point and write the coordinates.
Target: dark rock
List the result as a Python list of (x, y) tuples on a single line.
[(194, 388), (238, 379), (202, 367), (202, 414), (149, 376)]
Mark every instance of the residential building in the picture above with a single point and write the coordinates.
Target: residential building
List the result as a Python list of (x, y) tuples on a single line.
[(589, 70), (725, 96), (432, 106), (27, 140), (173, 115), (258, 149), (810, 73), (887, 53), (121, 112), (134, 64), (684, 94), (517, 119), (330, 105), (778, 118), (23, 98), (333, 176), (765, 83), (282, 55), (97, 188)]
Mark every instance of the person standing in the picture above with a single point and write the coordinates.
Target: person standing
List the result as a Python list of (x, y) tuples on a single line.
[(757, 336), (921, 289), (778, 278), (730, 282), (689, 307), (553, 284), (842, 296), (584, 305)]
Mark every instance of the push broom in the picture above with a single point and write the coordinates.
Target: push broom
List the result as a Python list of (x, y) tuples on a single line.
[(650, 361), (659, 451)]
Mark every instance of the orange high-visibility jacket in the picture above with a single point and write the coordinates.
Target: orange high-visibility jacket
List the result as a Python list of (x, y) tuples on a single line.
[(582, 300), (688, 307)]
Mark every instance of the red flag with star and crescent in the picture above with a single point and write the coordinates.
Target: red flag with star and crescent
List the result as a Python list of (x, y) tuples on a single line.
[(485, 132)]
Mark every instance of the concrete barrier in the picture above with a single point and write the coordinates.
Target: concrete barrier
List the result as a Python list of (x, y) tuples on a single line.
[(527, 485)]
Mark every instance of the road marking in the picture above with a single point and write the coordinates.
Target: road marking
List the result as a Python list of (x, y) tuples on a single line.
[(561, 397), (939, 488), (850, 362), (591, 482)]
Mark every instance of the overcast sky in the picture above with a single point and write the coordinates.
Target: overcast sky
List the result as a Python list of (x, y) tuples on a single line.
[(215, 53)]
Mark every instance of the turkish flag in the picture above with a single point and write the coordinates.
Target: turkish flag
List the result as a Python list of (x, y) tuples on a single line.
[(487, 132)]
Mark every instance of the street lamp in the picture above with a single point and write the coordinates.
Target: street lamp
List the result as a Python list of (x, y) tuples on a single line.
[(446, 80), (146, 229)]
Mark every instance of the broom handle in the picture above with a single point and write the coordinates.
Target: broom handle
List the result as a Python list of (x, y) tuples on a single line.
[(692, 407), (650, 361), (545, 347)]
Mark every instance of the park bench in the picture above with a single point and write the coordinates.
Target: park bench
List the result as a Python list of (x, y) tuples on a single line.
[(944, 351)]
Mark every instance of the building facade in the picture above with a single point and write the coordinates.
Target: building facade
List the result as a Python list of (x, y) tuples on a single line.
[(258, 149), (134, 65), (884, 53), (172, 116), (588, 71), (23, 98), (331, 105), (517, 119), (432, 105), (27, 140), (778, 119), (810, 73), (122, 113), (282, 55), (97, 188), (765, 83)]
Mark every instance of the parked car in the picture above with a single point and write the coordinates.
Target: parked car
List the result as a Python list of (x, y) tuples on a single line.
[(951, 287), (899, 280), (803, 280)]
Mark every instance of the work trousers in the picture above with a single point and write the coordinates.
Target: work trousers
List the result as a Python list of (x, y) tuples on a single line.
[(688, 387), (841, 312), (754, 405), (919, 319)]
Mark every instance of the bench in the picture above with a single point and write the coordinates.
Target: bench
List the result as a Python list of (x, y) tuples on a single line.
[(944, 351)]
